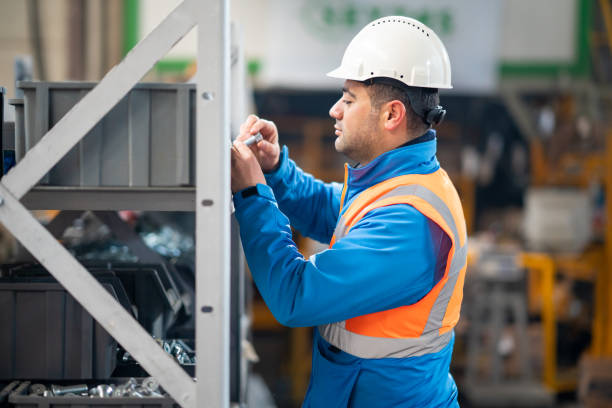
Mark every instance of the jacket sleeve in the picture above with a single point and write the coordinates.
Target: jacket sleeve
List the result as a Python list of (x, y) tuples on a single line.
[(311, 205), (386, 260)]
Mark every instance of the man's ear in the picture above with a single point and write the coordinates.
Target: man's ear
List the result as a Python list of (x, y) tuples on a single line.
[(394, 114)]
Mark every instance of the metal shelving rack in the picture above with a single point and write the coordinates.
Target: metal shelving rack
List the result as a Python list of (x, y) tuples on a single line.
[(210, 199)]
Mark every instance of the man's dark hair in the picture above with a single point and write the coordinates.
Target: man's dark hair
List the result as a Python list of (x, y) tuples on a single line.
[(417, 100)]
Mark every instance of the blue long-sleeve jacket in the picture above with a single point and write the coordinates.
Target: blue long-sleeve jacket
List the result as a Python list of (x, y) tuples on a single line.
[(392, 257)]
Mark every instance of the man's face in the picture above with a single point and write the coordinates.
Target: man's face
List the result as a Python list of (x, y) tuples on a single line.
[(356, 123)]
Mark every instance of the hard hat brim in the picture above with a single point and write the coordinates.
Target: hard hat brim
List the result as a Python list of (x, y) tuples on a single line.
[(342, 73)]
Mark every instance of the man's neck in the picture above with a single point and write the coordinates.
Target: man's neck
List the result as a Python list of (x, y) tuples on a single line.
[(427, 136), (419, 139)]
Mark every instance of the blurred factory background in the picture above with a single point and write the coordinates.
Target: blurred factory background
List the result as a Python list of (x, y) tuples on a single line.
[(527, 140)]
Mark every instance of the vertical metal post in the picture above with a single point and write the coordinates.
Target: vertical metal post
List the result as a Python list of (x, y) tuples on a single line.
[(545, 267), (213, 205)]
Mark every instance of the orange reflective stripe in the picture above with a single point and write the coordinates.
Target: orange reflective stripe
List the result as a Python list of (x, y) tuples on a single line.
[(438, 182), (344, 186), (421, 205), (448, 193), (451, 317), (401, 322), (333, 240)]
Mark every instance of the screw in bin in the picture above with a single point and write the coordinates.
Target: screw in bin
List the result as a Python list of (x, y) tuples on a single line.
[(74, 389), (150, 384), (119, 391), (37, 389), (136, 393), (102, 391)]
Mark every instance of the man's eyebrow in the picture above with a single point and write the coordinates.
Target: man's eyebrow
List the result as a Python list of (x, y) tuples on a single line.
[(346, 90)]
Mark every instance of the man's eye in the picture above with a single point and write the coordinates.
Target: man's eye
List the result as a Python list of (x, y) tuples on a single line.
[(347, 102)]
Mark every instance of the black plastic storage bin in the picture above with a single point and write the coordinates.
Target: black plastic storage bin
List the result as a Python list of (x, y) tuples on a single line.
[(36, 273), (46, 334), (147, 291), (151, 290)]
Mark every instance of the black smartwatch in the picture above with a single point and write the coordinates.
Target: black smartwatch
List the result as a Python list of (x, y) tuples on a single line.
[(249, 191)]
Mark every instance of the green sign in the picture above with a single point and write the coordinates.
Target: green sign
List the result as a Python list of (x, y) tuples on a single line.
[(329, 20)]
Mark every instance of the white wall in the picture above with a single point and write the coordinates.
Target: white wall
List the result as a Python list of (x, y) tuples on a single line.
[(538, 30), (296, 46), (152, 12)]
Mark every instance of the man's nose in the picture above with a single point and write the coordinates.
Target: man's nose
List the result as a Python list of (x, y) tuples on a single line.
[(336, 110)]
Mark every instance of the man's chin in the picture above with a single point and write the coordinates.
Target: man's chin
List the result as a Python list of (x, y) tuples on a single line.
[(341, 148), (338, 144)]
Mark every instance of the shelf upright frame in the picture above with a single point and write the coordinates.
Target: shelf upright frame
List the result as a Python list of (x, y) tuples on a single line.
[(212, 204)]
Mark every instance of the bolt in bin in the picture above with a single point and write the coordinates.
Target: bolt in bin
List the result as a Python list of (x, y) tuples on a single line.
[(6, 390), (46, 334), (147, 139), (20, 399)]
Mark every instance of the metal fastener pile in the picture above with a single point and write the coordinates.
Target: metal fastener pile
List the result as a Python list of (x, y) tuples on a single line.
[(149, 387), (182, 353)]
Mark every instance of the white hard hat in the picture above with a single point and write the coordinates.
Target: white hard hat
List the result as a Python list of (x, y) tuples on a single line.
[(397, 47)]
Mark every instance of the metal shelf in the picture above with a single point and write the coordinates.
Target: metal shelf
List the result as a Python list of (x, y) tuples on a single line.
[(111, 198), (212, 175)]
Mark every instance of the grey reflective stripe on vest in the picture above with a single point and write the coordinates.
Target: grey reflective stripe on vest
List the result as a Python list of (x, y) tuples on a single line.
[(383, 347), (430, 341)]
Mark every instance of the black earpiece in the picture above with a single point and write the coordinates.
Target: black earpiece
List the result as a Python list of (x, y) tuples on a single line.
[(435, 116)]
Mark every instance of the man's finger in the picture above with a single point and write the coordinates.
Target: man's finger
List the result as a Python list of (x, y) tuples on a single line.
[(242, 150), (263, 126), (248, 123), (257, 126), (234, 154), (266, 147)]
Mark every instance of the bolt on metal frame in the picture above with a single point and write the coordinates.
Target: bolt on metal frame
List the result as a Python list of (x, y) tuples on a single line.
[(212, 204)]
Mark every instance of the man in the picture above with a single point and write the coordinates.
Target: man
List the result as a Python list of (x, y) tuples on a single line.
[(386, 294)]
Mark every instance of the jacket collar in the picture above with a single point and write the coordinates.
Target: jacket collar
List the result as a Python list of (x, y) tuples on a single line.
[(419, 158)]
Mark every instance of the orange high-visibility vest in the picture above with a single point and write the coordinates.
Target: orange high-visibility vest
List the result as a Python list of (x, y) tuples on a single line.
[(425, 326)]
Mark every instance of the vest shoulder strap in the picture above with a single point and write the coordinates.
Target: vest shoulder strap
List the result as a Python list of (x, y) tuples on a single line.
[(431, 194)]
